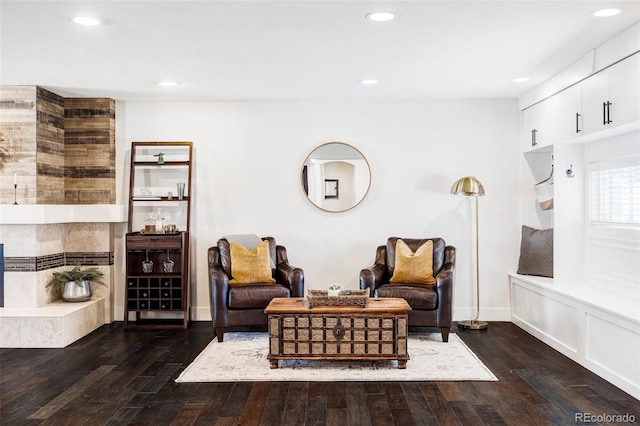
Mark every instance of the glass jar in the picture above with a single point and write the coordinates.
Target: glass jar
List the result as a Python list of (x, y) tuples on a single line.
[(159, 222), (150, 225)]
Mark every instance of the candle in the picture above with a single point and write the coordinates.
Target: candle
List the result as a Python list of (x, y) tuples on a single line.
[(15, 178)]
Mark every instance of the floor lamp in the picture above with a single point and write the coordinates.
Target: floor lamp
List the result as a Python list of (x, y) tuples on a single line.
[(471, 187)]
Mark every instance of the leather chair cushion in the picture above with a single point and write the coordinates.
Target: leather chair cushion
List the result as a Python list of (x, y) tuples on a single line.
[(254, 296), (418, 296)]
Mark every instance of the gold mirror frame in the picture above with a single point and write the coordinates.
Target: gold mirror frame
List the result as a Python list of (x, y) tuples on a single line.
[(333, 177)]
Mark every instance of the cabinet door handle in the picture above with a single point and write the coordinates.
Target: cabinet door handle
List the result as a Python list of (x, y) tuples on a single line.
[(533, 137), (604, 113), (577, 122), (609, 113)]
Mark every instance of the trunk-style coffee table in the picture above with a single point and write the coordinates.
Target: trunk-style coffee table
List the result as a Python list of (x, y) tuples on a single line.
[(377, 331)]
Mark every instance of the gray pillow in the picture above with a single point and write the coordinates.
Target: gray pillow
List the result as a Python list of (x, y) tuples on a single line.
[(536, 252)]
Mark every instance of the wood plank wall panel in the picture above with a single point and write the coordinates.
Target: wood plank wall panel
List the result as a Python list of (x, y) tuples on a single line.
[(63, 150), (50, 152), (90, 142), (18, 143)]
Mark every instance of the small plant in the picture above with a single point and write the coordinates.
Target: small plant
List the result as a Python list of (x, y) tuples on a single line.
[(335, 289), (160, 156), (77, 274)]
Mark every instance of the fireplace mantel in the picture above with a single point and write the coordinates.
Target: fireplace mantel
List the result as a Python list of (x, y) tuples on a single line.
[(36, 214)]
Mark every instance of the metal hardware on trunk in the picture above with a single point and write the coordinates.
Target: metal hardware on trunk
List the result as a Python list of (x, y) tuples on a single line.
[(338, 330)]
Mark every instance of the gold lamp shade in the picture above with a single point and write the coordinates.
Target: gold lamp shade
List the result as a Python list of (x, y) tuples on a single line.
[(468, 185)]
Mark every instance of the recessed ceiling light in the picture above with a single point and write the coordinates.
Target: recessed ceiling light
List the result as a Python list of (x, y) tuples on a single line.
[(168, 83), (86, 20), (520, 79), (605, 13), (380, 16), (369, 82)]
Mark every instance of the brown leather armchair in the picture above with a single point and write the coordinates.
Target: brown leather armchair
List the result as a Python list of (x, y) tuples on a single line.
[(243, 305), (431, 305)]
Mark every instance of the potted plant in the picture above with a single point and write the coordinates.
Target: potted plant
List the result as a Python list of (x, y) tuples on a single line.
[(334, 289), (75, 285)]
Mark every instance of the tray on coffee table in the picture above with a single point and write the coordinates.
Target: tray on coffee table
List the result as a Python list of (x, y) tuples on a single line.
[(344, 298)]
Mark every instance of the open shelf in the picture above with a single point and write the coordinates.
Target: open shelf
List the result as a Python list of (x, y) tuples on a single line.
[(161, 289)]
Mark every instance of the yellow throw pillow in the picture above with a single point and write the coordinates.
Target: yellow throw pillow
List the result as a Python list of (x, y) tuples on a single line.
[(414, 267), (250, 266)]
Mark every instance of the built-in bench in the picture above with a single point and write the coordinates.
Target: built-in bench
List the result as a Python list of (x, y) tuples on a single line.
[(595, 328)]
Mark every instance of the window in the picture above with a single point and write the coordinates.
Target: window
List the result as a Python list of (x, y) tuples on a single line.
[(615, 192)]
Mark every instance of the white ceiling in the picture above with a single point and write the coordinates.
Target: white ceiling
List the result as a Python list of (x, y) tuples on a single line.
[(286, 50)]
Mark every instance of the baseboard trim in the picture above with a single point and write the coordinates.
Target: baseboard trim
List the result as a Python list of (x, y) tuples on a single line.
[(486, 314)]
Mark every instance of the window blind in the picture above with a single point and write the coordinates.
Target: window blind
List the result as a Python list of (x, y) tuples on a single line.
[(615, 195)]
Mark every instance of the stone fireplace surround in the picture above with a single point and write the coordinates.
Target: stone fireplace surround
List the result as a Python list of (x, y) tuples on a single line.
[(38, 242), (62, 153)]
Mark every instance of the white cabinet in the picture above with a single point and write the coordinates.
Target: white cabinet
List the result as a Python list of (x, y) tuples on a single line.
[(624, 91), (600, 112), (537, 126), (567, 114), (611, 97), (595, 95), (603, 101)]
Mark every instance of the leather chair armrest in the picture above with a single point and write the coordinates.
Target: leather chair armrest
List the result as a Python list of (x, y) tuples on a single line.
[(373, 276), (289, 275), (444, 288), (218, 289), (293, 277)]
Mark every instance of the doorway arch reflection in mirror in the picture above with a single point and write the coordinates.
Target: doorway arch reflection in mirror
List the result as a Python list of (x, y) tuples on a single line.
[(336, 177)]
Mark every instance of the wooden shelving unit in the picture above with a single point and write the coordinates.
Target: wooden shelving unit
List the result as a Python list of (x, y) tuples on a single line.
[(158, 294)]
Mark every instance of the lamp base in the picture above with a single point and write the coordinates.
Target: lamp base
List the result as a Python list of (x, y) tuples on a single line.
[(473, 324)]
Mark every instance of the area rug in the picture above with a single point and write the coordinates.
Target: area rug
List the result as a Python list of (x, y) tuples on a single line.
[(243, 357)]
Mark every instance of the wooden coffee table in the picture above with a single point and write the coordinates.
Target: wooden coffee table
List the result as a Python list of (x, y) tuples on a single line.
[(377, 331)]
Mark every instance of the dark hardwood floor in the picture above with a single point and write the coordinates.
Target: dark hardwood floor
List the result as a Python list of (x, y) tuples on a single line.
[(117, 377)]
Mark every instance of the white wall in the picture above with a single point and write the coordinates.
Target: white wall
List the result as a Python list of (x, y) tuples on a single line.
[(248, 157)]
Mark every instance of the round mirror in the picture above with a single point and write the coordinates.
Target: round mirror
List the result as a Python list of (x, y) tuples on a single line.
[(336, 177)]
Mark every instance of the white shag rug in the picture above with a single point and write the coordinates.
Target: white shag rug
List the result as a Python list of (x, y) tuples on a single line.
[(243, 357)]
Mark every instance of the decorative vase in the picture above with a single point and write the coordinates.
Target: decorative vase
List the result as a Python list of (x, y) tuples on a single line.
[(77, 291)]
